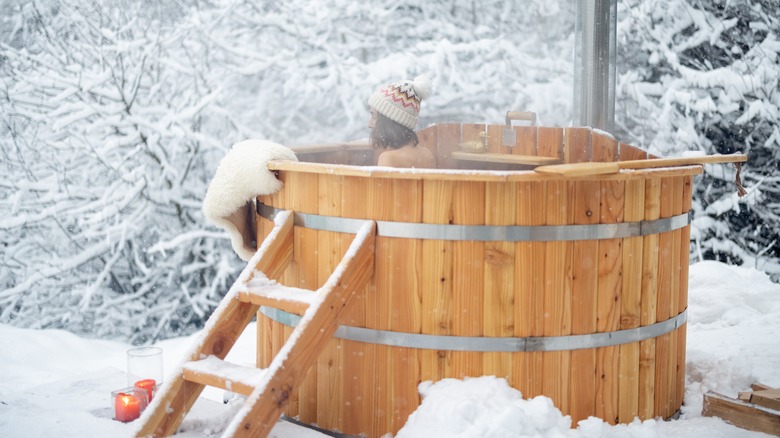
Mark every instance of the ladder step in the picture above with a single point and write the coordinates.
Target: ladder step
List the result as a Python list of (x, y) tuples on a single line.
[(215, 372), (261, 291)]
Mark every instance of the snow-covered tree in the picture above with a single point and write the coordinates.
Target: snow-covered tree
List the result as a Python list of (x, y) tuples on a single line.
[(705, 76), (105, 126), (303, 73)]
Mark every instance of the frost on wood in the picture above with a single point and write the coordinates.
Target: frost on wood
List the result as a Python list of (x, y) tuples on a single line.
[(246, 375), (262, 285)]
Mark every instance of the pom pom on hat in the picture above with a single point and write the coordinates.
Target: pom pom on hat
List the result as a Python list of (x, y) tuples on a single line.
[(400, 101)]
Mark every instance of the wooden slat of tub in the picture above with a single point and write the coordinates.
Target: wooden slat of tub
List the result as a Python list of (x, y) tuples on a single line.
[(610, 285), (405, 302), (468, 208), (360, 362), (529, 284), (677, 208), (304, 272), (265, 352), (472, 132), (289, 277), (494, 140), (499, 259), (604, 147), (437, 314), (577, 145), (377, 308), (526, 141), (609, 290), (687, 201), (353, 195), (683, 298), (558, 206), (330, 382), (630, 304), (304, 264), (649, 302), (286, 199), (628, 152), (428, 137), (264, 226), (584, 293), (448, 135), (665, 274), (549, 142)]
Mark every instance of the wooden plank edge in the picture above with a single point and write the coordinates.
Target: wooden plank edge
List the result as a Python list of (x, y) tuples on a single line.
[(529, 160), (287, 305), (360, 145), (193, 372), (745, 395), (683, 161), (741, 414), (768, 398), (468, 175), (580, 169), (760, 387)]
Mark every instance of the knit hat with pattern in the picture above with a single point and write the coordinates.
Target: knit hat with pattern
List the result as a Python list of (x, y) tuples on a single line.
[(400, 101)]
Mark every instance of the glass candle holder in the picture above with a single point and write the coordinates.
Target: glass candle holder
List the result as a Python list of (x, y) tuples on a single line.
[(148, 385), (144, 363), (128, 403)]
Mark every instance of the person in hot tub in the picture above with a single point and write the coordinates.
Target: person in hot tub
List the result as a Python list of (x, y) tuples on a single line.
[(394, 109)]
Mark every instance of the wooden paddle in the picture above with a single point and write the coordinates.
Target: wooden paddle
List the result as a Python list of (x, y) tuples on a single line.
[(586, 169)]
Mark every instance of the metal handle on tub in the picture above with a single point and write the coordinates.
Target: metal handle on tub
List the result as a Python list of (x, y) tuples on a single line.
[(520, 115)]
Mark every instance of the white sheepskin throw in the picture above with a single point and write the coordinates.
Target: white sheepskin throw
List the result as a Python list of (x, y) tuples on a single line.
[(241, 176)]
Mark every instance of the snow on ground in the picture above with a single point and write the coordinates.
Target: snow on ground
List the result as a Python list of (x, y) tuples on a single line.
[(54, 383)]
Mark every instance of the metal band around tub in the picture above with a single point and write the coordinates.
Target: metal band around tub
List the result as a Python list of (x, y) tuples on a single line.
[(508, 233), (490, 344)]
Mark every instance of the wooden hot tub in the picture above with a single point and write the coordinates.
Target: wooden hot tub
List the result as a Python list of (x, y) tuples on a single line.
[(569, 287)]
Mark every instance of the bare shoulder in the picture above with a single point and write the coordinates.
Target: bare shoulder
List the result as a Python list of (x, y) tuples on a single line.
[(408, 156), (427, 159), (388, 158)]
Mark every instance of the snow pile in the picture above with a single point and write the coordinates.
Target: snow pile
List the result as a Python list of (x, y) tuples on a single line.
[(483, 407)]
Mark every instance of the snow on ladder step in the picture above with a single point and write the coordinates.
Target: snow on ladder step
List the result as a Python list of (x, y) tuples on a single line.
[(262, 291), (218, 373)]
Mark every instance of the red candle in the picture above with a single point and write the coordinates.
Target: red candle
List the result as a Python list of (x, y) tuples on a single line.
[(148, 385), (127, 407)]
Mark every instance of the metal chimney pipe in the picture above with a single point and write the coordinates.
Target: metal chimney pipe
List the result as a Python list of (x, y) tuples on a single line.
[(594, 64)]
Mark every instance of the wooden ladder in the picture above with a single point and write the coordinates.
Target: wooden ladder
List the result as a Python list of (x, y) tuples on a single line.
[(267, 390)]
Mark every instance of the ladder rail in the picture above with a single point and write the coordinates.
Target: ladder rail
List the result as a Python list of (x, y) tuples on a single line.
[(178, 395), (351, 277)]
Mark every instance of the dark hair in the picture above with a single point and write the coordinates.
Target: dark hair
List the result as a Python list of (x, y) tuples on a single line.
[(388, 134)]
